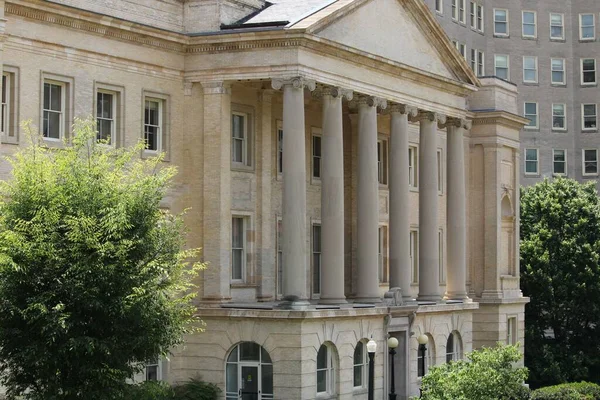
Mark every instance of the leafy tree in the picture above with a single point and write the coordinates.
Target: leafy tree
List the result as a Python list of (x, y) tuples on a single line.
[(560, 253), (487, 374), (93, 281)]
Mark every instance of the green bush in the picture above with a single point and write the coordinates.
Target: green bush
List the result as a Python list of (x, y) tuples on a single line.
[(568, 391), (195, 389), (150, 391)]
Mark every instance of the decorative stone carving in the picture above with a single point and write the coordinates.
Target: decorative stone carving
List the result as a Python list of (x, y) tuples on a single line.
[(372, 101), (297, 82), (458, 123), (404, 109), (218, 87)]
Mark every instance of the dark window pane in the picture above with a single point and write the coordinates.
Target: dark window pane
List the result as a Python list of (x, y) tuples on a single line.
[(151, 138), (267, 379), (233, 356), (249, 351), (232, 378), (322, 357), (321, 381), (55, 97), (264, 356), (358, 375), (46, 96)]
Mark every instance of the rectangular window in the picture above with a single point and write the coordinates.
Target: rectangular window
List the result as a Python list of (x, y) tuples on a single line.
[(587, 26), (414, 255), (473, 15), (501, 65), (54, 110), (412, 167), (511, 331), (500, 22), (531, 162), (559, 117), (382, 161), (590, 162), (279, 257), (473, 61), (279, 147), (316, 258), (480, 64), (316, 156), (441, 256), (531, 112), (462, 11), (106, 111), (590, 117), (557, 26), (440, 171), (439, 6), (462, 49), (529, 24), (588, 71), (153, 124), (455, 9), (153, 370), (6, 100), (558, 71), (479, 18), (382, 255), (239, 138), (530, 69), (238, 248), (559, 162)]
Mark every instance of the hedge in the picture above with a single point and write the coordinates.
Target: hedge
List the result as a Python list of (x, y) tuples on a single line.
[(192, 390), (568, 391)]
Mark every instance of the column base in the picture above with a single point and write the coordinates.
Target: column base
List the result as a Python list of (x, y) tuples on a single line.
[(341, 300), (293, 303), (456, 296), (429, 297)]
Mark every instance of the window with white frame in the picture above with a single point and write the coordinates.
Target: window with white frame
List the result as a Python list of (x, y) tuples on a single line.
[(6, 103), (382, 260), (316, 258), (558, 71), (455, 9), (279, 260), (412, 167), (473, 14), (500, 22), (501, 66), (325, 370), (590, 161), (462, 49), (238, 248), (462, 11), (279, 147), (559, 162), (529, 24), (530, 69), (106, 111), (316, 155), (153, 124), (54, 109), (382, 161), (473, 61), (531, 113), (440, 171), (557, 26), (453, 347), (239, 138), (589, 116), (588, 71), (479, 18), (559, 117), (360, 365), (414, 255), (153, 370), (511, 331), (439, 6), (531, 162), (442, 266), (480, 64), (587, 26)]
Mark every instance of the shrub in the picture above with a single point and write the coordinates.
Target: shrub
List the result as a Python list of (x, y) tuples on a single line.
[(151, 391), (195, 389), (568, 391)]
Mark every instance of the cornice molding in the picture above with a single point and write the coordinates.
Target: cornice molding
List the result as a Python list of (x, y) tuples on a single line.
[(503, 118)]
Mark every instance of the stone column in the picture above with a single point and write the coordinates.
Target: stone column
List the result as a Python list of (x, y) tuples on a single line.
[(294, 235), (368, 200), (456, 211), (332, 198), (216, 200), (429, 260), (400, 268)]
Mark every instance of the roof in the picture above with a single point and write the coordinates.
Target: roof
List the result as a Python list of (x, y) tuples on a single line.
[(287, 11)]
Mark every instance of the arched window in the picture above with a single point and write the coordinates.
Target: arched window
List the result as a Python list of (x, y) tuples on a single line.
[(249, 373), (325, 370), (453, 347), (360, 365), (429, 359)]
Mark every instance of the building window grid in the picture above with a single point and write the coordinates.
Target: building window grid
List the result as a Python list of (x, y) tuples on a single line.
[(153, 370), (589, 116), (439, 6), (53, 110), (480, 63), (590, 162), (511, 331), (531, 161), (558, 71), (559, 117), (587, 26), (325, 370), (238, 248), (412, 167), (453, 347), (382, 257), (153, 124), (106, 107), (316, 155), (5, 122), (530, 69), (529, 19), (588, 71), (473, 14), (473, 61), (462, 11), (414, 255), (360, 365), (501, 66), (479, 18), (316, 258), (279, 257), (557, 26), (239, 138), (382, 161), (559, 162), (531, 113), (500, 22), (279, 148), (455, 10)]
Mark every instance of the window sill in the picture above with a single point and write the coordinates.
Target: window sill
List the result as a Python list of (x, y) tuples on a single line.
[(414, 189), (589, 176), (359, 390), (315, 181), (532, 129), (558, 40), (559, 130), (531, 84), (593, 84), (534, 38), (242, 285), (562, 85), (242, 168), (501, 36), (590, 40), (530, 175), (595, 130), (326, 396), (383, 186)]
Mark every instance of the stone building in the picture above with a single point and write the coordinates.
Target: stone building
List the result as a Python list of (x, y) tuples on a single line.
[(348, 176), (549, 49)]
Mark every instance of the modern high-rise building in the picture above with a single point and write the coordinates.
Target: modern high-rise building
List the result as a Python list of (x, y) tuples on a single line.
[(550, 50)]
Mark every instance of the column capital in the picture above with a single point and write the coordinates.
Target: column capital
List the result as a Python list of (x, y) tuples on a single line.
[(187, 87), (463, 123), (335, 92), (404, 109), (297, 82), (372, 101), (216, 87), (429, 116)]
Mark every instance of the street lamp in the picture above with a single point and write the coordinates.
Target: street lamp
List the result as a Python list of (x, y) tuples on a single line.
[(392, 344), (371, 348), (422, 339)]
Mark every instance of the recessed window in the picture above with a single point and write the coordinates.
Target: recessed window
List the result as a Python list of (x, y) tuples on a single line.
[(439, 6), (462, 49), (316, 258), (590, 161), (153, 124), (587, 26), (479, 18), (382, 260), (239, 138), (54, 110), (279, 260), (557, 26), (588, 71), (249, 370), (382, 161), (480, 64), (500, 22), (325, 370), (559, 162), (441, 264), (414, 255), (412, 167), (529, 24), (531, 162), (238, 248), (530, 69), (316, 155), (531, 112), (8, 132), (501, 63), (279, 147), (590, 116), (473, 61), (462, 11), (473, 14), (440, 171), (511, 331), (153, 370), (360, 365), (455, 9), (106, 112), (559, 120), (453, 347), (558, 71)]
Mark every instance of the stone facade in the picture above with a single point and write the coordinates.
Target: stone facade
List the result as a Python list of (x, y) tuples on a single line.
[(441, 250)]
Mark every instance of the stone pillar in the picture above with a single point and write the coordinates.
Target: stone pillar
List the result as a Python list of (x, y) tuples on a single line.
[(456, 211), (368, 200), (332, 198), (429, 260), (217, 191), (400, 269), (295, 261)]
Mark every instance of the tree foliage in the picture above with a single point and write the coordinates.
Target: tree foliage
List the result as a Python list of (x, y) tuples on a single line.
[(93, 278), (560, 253), (487, 374)]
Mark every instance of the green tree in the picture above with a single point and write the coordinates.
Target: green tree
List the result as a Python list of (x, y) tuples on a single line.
[(560, 251), (93, 278), (487, 374)]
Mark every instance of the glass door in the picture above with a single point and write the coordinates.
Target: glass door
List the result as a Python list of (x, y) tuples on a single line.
[(249, 382)]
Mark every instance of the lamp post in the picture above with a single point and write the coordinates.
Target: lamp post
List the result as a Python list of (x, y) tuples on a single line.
[(371, 348), (392, 344), (422, 339)]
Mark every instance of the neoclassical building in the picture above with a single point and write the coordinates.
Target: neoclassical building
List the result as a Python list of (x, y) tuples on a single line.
[(347, 175)]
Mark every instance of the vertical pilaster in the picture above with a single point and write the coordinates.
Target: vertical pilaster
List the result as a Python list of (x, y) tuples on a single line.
[(492, 232), (217, 191)]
